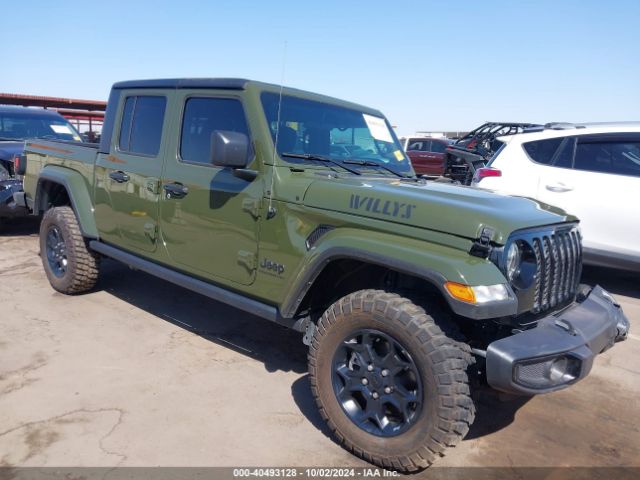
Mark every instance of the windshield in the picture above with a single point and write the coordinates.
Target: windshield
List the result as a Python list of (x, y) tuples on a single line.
[(341, 134), (20, 126)]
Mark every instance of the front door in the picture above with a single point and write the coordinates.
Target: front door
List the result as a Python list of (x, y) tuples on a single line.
[(127, 179), (208, 216)]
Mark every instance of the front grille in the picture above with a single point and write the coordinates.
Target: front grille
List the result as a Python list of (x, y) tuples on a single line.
[(559, 266)]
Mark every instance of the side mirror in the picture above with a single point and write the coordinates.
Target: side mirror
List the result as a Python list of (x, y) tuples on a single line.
[(229, 149)]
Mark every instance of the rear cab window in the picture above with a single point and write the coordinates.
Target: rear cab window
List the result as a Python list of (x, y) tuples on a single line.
[(141, 125)]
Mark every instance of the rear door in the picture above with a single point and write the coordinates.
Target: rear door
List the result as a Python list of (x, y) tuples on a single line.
[(211, 228), (127, 179), (602, 189)]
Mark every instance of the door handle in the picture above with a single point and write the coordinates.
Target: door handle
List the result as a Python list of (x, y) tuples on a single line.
[(119, 176), (175, 190), (559, 187)]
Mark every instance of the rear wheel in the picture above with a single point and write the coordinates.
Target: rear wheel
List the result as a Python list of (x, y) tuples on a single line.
[(70, 265), (391, 385)]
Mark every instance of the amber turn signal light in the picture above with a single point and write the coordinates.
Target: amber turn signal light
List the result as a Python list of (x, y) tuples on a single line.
[(461, 292)]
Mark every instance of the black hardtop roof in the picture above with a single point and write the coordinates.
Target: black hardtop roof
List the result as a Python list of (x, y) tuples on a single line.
[(234, 84), (224, 83)]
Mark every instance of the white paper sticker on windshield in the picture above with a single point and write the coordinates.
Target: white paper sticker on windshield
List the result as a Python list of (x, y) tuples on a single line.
[(61, 129), (378, 128)]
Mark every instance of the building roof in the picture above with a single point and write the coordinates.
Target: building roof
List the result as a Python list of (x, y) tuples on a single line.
[(51, 102), (15, 110)]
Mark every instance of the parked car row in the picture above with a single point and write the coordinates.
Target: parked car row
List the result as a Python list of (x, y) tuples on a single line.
[(16, 125), (460, 158)]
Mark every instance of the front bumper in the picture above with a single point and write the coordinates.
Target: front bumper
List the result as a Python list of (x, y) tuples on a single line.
[(560, 350)]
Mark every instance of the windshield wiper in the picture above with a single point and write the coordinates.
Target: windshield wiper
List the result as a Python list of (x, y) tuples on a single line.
[(319, 158), (7, 139), (371, 163)]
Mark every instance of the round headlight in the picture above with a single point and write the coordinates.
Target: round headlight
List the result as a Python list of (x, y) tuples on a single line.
[(512, 265)]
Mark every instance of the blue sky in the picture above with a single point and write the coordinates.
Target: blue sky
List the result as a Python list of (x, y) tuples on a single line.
[(429, 65)]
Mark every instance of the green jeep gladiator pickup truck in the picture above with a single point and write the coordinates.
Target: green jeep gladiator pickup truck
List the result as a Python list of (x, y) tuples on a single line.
[(304, 210)]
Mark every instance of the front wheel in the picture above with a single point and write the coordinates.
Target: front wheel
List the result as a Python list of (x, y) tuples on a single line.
[(391, 385), (70, 265)]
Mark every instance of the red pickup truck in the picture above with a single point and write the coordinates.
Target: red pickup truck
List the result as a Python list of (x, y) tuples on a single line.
[(427, 154)]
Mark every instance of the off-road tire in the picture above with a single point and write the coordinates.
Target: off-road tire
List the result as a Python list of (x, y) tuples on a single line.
[(447, 410), (82, 264)]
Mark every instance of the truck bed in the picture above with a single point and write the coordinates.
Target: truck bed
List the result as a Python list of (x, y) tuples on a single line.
[(76, 156)]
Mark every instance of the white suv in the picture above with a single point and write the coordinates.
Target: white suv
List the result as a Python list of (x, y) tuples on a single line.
[(590, 170)]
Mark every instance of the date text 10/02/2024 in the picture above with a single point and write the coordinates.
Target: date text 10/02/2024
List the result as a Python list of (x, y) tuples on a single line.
[(313, 472)]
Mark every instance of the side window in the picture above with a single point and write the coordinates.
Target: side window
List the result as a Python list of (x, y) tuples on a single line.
[(420, 146), (438, 147), (141, 127), (620, 157), (201, 117), (125, 126), (542, 151), (563, 158)]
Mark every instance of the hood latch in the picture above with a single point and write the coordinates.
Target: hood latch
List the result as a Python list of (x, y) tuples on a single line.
[(482, 246)]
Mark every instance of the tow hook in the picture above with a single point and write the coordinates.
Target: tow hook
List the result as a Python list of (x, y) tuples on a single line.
[(622, 324), (566, 326), (623, 328)]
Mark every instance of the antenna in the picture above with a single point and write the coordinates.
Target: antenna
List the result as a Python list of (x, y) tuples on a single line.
[(271, 212)]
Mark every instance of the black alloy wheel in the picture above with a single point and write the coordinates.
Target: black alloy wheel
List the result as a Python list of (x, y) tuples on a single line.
[(56, 251), (377, 383)]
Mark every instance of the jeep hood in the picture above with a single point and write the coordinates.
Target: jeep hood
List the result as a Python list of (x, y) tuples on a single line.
[(457, 210)]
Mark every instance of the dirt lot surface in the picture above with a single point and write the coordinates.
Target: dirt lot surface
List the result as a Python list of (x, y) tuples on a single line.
[(143, 373)]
